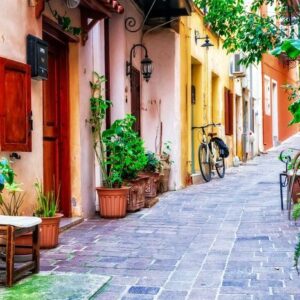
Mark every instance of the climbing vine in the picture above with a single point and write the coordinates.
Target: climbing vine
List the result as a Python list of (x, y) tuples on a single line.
[(64, 22)]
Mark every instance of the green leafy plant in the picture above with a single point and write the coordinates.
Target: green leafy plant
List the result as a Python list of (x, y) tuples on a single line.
[(47, 203), (15, 194), (6, 174), (64, 22), (297, 255), (153, 163), (296, 211), (11, 194), (98, 107), (166, 153), (289, 47), (244, 28), (294, 97), (125, 152), (119, 150)]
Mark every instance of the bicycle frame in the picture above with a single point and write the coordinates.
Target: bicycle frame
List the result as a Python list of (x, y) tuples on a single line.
[(209, 144)]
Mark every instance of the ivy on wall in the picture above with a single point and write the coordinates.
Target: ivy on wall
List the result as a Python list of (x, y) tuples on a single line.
[(64, 22)]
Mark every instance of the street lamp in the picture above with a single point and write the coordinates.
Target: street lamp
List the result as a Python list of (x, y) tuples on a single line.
[(146, 63), (206, 43)]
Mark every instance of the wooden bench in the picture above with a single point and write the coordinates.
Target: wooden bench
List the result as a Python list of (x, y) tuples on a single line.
[(10, 228)]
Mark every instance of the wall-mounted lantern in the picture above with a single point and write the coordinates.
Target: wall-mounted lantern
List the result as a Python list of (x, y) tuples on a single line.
[(206, 43), (146, 63)]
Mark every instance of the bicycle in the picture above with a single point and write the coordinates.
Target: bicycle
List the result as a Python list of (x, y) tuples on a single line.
[(209, 154)]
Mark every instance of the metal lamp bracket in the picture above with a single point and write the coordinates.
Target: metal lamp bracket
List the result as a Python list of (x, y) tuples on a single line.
[(132, 55)]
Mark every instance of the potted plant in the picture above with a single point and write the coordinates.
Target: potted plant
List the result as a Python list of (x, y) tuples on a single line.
[(135, 162), (46, 209), (11, 200), (111, 154), (13, 190), (165, 162), (151, 170)]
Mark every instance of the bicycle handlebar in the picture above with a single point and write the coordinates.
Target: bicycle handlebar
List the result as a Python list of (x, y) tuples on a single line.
[(205, 126)]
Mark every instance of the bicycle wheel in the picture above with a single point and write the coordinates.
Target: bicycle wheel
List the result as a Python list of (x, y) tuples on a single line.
[(220, 162), (204, 162)]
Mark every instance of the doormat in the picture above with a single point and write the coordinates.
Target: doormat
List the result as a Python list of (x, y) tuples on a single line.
[(55, 286)]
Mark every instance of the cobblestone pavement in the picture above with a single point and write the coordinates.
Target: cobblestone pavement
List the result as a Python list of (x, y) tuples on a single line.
[(226, 240)]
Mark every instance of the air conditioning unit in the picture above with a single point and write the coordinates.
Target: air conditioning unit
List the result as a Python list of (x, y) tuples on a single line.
[(237, 69)]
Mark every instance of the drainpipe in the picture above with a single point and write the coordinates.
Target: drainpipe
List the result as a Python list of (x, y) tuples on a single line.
[(252, 125), (245, 125)]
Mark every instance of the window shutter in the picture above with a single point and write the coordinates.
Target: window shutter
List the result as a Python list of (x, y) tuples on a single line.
[(15, 103), (228, 112)]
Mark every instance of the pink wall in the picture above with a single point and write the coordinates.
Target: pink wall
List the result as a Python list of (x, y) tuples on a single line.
[(163, 49), (161, 98)]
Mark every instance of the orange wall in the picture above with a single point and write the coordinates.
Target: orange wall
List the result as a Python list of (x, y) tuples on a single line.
[(273, 68)]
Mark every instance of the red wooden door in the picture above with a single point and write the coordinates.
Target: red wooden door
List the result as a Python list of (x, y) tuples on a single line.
[(136, 98), (56, 125)]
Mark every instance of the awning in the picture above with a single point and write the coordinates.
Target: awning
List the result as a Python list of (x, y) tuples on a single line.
[(166, 8)]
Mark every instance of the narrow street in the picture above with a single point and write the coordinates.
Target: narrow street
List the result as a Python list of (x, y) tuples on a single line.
[(226, 240)]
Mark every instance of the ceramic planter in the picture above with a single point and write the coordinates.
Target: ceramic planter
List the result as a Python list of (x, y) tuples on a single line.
[(49, 232), (113, 202), (164, 180), (136, 197), (151, 184)]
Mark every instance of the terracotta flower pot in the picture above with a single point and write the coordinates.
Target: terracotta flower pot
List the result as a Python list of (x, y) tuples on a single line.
[(136, 198), (164, 180), (113, 202), (50, 231)]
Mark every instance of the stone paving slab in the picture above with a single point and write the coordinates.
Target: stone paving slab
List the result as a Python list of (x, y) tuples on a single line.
[(226, 240)]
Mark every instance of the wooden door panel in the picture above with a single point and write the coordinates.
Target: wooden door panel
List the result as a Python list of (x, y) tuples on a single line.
[(136, 98), (51, 164), (56, 125)]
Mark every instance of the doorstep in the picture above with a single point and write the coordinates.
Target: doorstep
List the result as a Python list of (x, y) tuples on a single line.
[(66, 223), (197, 178)]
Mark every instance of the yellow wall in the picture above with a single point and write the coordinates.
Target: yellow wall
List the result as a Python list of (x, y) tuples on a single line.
[(208, 71)]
